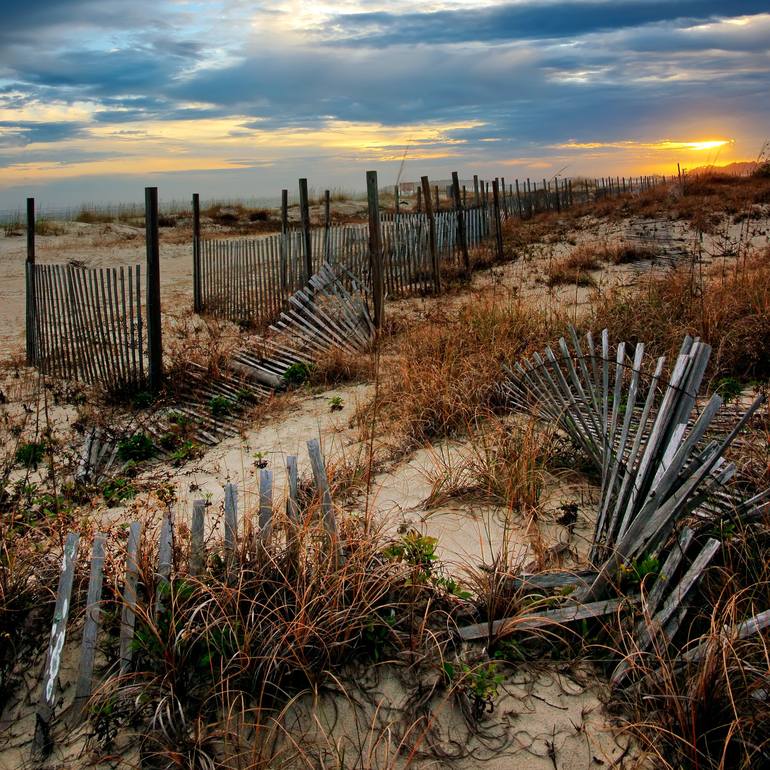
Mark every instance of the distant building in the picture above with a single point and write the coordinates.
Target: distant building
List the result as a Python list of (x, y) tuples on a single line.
[(407, 188)]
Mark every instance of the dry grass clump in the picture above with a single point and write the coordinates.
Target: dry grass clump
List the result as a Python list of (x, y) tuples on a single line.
[(215, 667), (575, 268), (504, 461), (729, 309), (441, 377)]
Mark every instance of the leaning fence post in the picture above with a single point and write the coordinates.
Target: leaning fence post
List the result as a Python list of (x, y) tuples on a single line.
[(197, 298), (322, 484), (154, 335), (31, 314), (498, 223), (375, 249), (91, 627), (431, 235), (304, 210), (128, 614), (45, 710), (460, 221)]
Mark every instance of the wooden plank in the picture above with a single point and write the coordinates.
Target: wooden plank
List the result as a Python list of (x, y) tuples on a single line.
[(165, 562), (46, 708), (128, 612), (304, 209), (197, 545), (535, 621), (91, 627), (231, 525), (322, 485)]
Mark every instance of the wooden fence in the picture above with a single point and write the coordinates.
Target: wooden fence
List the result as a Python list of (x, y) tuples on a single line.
[(89, 324), (99, 325), (249, 281)]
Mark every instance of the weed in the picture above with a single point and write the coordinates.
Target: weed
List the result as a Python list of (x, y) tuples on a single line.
[(221, 406), (297, 374), (336, 404), (30, 454), (117, 490), (187, 450), (137, 448)]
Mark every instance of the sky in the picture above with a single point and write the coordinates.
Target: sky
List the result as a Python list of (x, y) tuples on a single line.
[(238, 99)]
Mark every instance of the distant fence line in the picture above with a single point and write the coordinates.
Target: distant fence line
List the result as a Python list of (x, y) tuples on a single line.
[(249, 280), (104, 325)]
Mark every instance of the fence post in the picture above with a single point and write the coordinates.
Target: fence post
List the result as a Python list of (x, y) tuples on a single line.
[(431, 235), (154, 334), (304, 210), (477, 199), (419, 199), (460, 221), (285, 291), (327, 223), (31, 314), (197, 298), (498, 223), (375, 248), (438, 202)]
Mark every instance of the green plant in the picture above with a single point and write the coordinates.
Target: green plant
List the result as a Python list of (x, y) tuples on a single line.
[(221, 406), (416, 550), (729, 388), (480, 685), (137, 448), (30, 454), (187, 450), (634, 573), (336, 404), (142, 399), (297, 374), (117, 490)]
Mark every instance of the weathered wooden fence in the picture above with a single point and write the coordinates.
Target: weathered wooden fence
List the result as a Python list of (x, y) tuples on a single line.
[(89, 324), (96, 325), (249, 280)]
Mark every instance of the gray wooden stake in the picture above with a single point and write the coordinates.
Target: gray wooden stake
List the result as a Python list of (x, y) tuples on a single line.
[(31, 297), (197, 546), (459, 208), (304, 210), (265, 504), (92, 623), (231, 525), (436, 269), (45, 711), (322, 484), (154, 334), (128, 615), (197, 291), (165, 560)]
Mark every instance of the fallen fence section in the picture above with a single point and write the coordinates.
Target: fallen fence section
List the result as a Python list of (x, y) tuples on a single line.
[(322, 317)]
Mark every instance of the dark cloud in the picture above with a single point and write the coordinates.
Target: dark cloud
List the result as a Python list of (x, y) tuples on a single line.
[(527, 21), (25, 133)]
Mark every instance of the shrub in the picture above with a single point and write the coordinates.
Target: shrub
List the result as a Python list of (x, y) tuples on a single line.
[(136, 448)]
